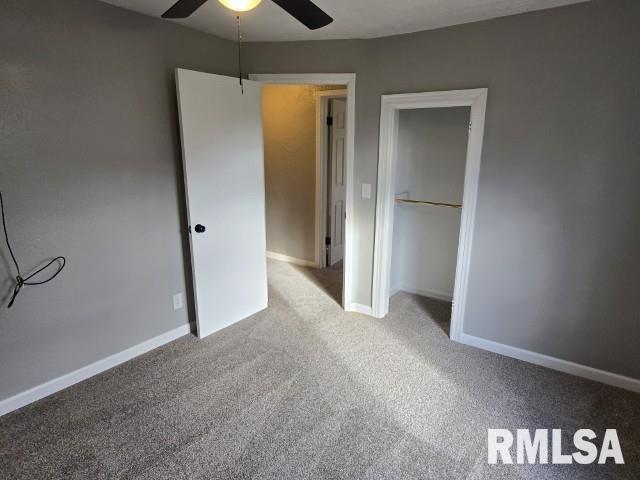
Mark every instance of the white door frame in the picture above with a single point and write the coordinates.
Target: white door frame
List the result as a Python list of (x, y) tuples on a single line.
[(389, 116), (349, 81), (322, 159)]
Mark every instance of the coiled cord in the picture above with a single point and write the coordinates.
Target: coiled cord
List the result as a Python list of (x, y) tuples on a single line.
[(24, 281)]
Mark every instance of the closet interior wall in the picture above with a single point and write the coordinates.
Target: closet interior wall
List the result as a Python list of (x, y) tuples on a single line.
[(432, 148)]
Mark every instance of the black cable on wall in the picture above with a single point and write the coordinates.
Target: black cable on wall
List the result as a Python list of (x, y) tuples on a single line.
[(25, 281)]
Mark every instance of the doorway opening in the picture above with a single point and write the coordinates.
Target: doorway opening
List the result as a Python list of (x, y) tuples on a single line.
[(304, 161), (222, 141), (336, 81), (430, 150)]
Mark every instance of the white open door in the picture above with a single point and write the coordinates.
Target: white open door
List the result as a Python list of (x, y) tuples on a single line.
[(338, 176), (224, 176)]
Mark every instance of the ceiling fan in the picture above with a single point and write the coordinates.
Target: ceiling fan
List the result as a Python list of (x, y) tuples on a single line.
[(304, 11)]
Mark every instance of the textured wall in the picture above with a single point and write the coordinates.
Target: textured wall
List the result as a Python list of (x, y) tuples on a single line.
[(289, 122), (90, 168), (555, 264)]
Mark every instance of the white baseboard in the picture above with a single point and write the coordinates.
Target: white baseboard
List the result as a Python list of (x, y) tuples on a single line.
[(52, 386), (448, 297), (359, 308), (554, 363), (294, 260)]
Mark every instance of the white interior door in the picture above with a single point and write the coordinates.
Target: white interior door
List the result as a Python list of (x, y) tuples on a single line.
[(338, 177), (224, 175)]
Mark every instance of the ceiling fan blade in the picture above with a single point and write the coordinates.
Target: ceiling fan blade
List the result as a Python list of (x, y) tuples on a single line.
[(183, 8), (306, 12)]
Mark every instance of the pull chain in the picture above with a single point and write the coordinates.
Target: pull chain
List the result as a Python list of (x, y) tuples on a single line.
[(239, 54)]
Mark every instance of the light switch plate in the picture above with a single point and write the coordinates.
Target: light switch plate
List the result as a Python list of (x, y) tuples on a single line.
[(366, 190), (177, 301)]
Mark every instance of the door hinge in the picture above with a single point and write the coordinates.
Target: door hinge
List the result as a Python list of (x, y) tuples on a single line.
[(329, 121), (470, 126)]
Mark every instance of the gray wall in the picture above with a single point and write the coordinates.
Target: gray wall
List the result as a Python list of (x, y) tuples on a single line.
[(432, 154), (289, 122), (555, 265), (90, 169)]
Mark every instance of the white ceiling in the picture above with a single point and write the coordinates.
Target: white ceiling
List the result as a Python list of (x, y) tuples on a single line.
[(352, 18)]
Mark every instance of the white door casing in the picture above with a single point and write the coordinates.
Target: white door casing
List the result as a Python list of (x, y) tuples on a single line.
[(323, 152), (389, 115), (348, 80), (222, 145), (337, 194)]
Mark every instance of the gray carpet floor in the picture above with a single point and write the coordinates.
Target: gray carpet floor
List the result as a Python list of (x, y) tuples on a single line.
[(304, 390)]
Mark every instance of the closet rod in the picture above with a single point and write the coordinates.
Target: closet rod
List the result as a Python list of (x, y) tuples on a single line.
[(424, 202)]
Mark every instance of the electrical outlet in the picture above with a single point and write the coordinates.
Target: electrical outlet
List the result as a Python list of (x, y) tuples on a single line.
[(177, 301)]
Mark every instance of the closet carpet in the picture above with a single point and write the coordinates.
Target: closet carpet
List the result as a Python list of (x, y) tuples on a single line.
[(303, 390)]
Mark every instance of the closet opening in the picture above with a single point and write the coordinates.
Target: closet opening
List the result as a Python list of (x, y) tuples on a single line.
[(431, 155), (430, 146)]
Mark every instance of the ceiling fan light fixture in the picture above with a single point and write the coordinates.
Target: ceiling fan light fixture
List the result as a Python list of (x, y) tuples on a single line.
[(240, 5)]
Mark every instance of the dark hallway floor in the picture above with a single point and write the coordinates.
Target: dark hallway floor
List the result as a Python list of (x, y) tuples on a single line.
[(329, 279)]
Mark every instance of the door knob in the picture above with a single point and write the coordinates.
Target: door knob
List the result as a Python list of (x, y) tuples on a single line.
[(200, 228)]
